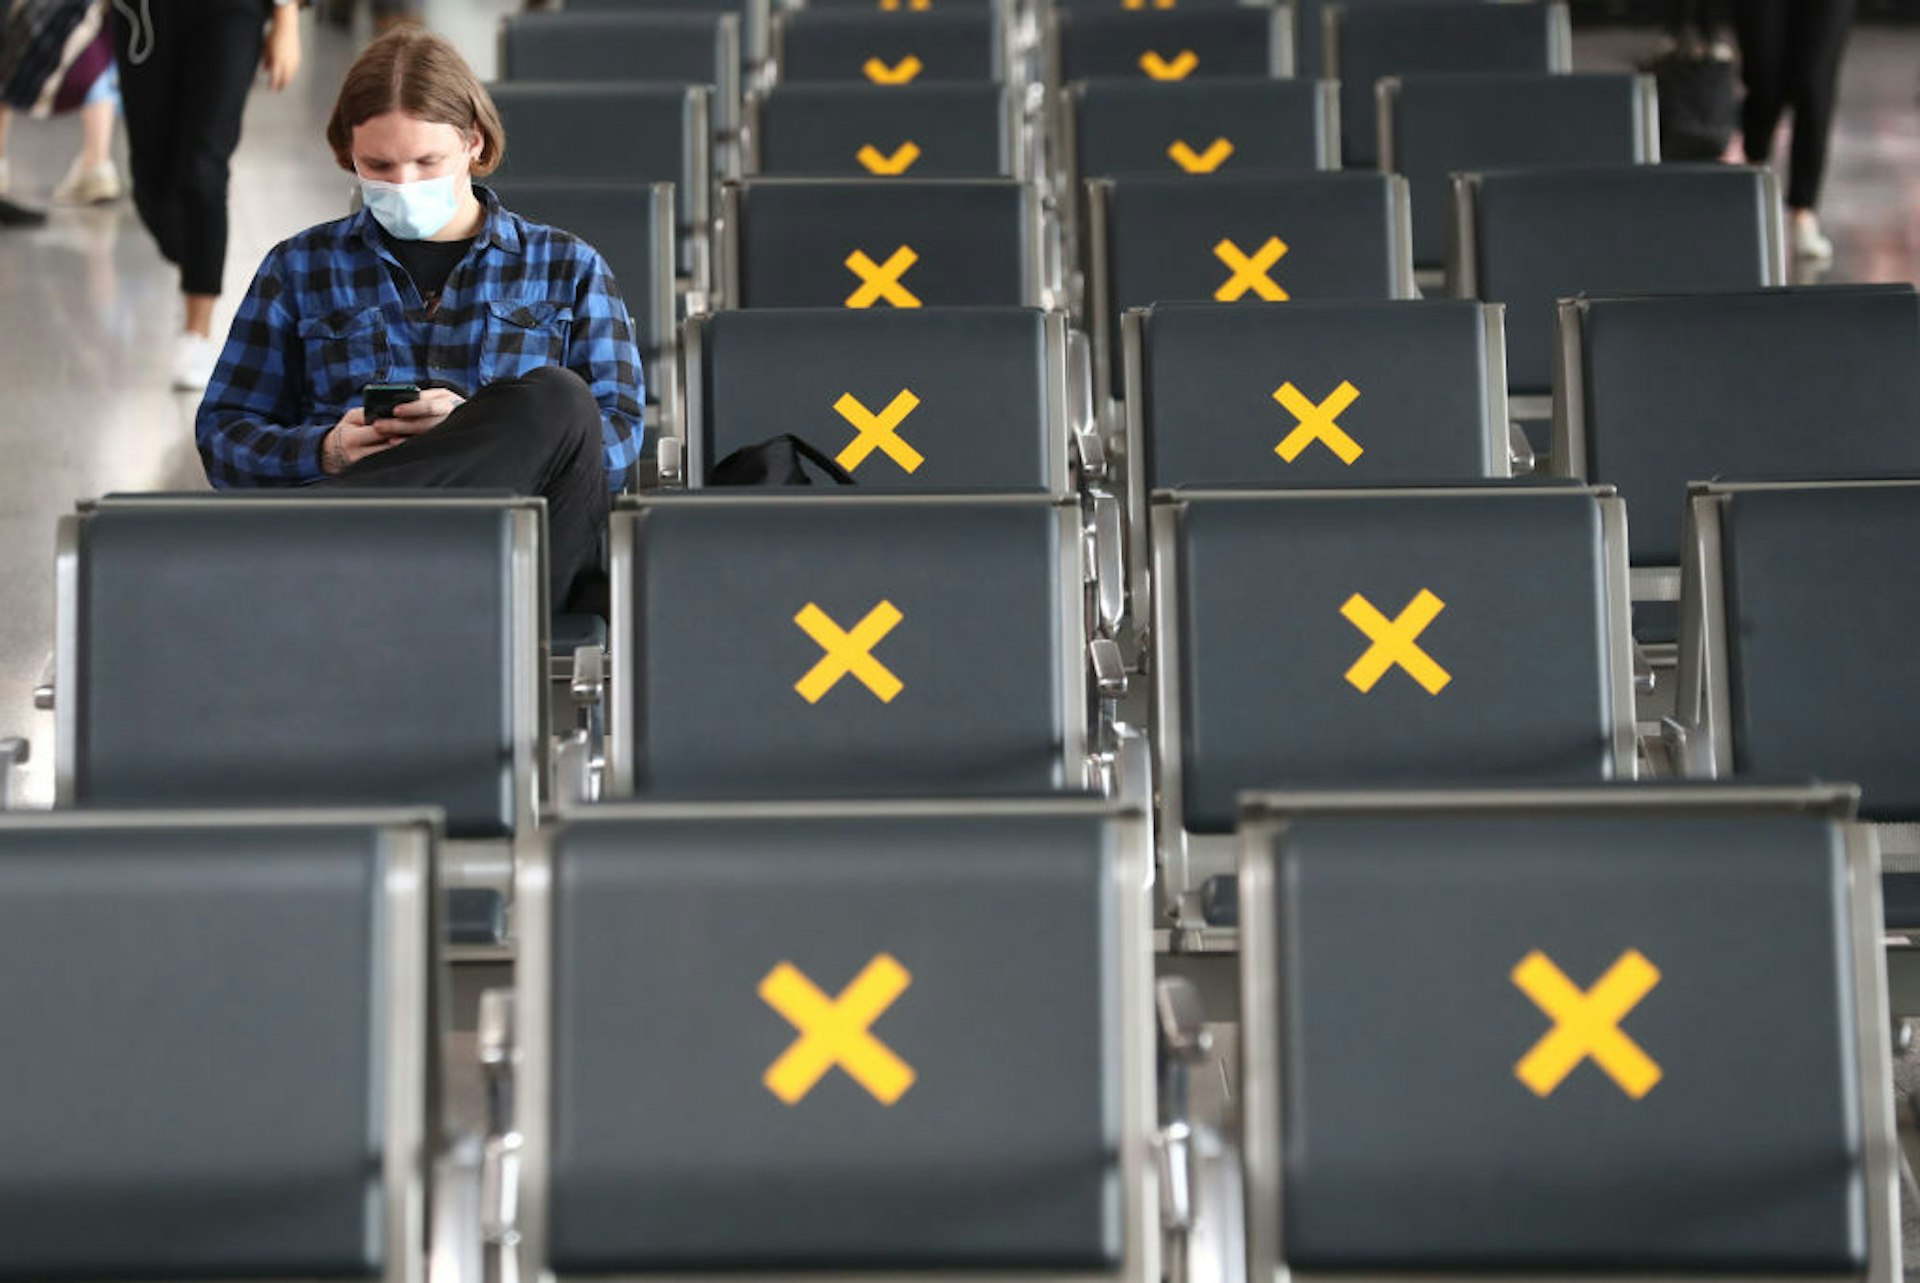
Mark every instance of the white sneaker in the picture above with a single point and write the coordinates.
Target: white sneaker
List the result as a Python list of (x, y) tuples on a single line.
[(194, 356), (95, 185), (1808, 240)]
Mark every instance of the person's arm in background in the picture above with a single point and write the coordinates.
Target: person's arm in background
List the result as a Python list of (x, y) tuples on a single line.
[(601, 350), (280, 59), (255, 424)]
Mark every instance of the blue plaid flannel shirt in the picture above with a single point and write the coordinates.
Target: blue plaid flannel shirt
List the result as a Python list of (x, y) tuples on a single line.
[(331, 310)]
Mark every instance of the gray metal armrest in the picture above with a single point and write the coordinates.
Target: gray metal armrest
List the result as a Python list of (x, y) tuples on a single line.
[(1200, 1196), (1689, 749), (44, 688), (14, 752), (1644, 678), (500, 1161), (580, 758), (1095, 462), (1520, 454), (1106, 563), (671, 453)]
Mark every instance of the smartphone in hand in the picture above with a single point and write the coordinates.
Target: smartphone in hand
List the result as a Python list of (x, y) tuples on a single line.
[(377, 400)]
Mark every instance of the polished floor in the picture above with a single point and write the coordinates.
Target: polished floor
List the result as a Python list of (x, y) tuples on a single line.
[(88, 308)]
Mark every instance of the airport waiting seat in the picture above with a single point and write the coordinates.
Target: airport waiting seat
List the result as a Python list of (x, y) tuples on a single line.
[(1369, 41), (1311, 396), (595, 132), (1789, 383), (1371, 639), (1227, 125), (677, 48), (843, 645), (1433, 126), (928, 399), (756, 18), (1310, 29), (222, 1042), (891, 49), (941, 129), (882, 243), (951, 1109), (1239, 240), (1796, 658), (1087, 44), (1530, 238), (264, 650), (633, 227), (1571, 977)]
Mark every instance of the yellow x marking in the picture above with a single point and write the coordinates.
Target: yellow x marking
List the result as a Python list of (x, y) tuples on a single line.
[(882, 280), (1317, 422), (878, 431), (834, 1031), (899, 74), (1200, 162), (878, 162), (1250, 273), (1160, 69), (1393, 642), (848, 652), (1587, 1024), (894, 6)]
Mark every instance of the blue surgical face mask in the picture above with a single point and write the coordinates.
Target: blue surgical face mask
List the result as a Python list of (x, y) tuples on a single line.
[(412, 211)]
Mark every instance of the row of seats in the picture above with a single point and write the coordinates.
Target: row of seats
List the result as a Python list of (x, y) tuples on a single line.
[(769, 1040), (917, 646)]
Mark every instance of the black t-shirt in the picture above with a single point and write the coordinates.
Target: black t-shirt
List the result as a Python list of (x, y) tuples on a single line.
[(429, 263)]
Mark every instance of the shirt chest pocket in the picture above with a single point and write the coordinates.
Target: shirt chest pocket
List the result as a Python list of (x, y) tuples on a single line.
[(345, 351), (523, 336)]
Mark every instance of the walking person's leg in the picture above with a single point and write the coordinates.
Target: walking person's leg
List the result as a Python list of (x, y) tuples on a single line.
[(1818, 40), (217, 75), (93, 177), (148, 56), (1761, 28)]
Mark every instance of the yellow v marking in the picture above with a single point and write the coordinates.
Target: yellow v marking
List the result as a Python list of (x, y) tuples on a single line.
[(1200, 162), (899, 74), (878, 162), (1160, 69)]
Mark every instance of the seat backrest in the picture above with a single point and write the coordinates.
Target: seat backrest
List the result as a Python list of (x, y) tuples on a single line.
[(281, 650), (1797, 616), (1241, 239), (755, 17), (1529, 238), (1572, 969), (1370, 41), (221, 1065), (909, 646), (632, 225), (1310, 29), (891, 49), (1814, 381), (1366, 639), (988, 1111), (679, 48), (612, 133), (887, 243), (940, 129), (926, 399), (1169, 45), (1432, 126), (1225, 125)]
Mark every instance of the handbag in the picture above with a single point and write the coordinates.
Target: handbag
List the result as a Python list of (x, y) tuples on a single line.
[(1698, 84), (777, 461)]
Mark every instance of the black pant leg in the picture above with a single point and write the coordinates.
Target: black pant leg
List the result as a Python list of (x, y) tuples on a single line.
[(1818, 40), (217, 74), (539, 434), (1761, 26), (148, 89)]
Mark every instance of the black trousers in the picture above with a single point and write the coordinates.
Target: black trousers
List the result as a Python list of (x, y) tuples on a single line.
[(183, 103), (1790, 60), (539, 434)]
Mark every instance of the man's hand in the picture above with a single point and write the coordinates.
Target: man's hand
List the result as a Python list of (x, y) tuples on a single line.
[(351, 440), (281, 59), (422, 414)]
